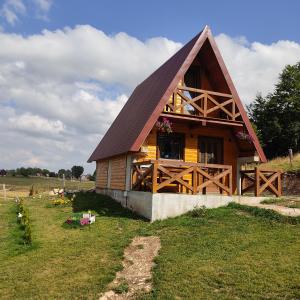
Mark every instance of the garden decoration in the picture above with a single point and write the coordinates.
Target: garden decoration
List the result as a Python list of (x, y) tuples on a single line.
[(81, 220)]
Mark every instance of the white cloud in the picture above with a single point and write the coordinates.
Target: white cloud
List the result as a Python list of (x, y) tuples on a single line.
[(60, 90), (11, 9), (255, 67)]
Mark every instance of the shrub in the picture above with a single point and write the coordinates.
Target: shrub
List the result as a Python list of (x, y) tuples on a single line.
[(24, 221), (198, 212)]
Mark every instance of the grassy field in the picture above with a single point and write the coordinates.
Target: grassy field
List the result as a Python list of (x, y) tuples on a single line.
[(224, 254), (20, 185), (284, 163)]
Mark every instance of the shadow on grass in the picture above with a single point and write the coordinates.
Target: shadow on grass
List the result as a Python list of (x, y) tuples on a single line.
[(103, 205)]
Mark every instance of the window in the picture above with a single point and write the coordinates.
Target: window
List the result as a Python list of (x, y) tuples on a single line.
[(170, 146), (210, 150)]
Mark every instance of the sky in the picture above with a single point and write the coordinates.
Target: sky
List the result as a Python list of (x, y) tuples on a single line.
[(67, 67)]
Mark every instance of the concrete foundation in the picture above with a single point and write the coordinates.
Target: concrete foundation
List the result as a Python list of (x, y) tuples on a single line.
[(159, 206)]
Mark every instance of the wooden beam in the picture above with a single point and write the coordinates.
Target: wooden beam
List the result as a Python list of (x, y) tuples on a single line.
[(200, 119)]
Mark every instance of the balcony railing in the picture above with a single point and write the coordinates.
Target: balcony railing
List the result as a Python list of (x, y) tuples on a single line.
[(181, 177), (202, 103), (261, 180)]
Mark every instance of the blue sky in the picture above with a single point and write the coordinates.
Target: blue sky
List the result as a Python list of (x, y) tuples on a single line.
[(67, 67), (265, 21)]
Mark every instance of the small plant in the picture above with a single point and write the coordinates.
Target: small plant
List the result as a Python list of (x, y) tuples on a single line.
[(198, 212), (164, 126), (243, 136), (122, 288)]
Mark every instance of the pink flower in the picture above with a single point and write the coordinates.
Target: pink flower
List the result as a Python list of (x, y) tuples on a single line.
[(84, 221)]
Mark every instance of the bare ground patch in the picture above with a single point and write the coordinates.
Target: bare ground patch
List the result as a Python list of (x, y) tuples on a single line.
[(136, 275)]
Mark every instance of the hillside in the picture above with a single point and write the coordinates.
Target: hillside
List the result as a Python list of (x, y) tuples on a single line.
[(284, 164)]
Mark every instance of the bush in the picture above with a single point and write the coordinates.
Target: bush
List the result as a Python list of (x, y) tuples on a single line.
[(24, 221)]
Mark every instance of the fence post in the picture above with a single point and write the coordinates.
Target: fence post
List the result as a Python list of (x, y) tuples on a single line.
[(4, 192)]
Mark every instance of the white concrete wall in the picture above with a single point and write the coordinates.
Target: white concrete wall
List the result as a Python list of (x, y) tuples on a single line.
[(160, 206)]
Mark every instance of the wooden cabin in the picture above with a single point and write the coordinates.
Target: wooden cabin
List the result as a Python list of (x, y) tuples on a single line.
[(183, 130)]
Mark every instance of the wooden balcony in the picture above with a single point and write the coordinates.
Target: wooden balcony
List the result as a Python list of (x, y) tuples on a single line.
[(181, 177), (203, 105)]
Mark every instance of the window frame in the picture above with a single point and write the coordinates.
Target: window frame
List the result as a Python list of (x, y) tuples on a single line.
[(178, 134)]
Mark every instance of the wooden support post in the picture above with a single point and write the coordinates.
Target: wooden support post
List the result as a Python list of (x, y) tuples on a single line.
[(256, 182), (154, 177), (230, 181), (195, 180)]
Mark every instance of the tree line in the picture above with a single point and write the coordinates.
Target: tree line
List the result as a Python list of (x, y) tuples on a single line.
[(276, 117), (74, 172)]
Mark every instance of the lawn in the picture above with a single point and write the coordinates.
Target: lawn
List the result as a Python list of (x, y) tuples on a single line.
[(224, 254), (284, 164)]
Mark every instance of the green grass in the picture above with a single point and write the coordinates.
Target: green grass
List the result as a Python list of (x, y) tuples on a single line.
[(224, 253), (283, 163), (292, 203), (42, 183)]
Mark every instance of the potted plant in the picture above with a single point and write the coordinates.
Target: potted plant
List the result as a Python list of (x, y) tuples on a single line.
[(243, 136), (164, 126)]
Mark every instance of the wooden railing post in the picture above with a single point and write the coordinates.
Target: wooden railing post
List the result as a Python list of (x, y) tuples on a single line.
[(154, 177), (195, 180), (230, 181), (279, 186), (256, 181)]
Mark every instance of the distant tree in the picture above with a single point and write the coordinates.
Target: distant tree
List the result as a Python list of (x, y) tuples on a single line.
[(23, 172), (52, 174), (68, 174), (11, 172), (45, 172), (277, 116), (61, 172), (77, 171), (3, 172)]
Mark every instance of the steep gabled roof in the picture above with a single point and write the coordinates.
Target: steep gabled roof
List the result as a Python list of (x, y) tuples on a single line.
[(139, 114)]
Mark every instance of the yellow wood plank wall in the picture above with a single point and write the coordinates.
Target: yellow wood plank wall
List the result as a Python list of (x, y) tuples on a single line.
[(118, 172), (101, 174)]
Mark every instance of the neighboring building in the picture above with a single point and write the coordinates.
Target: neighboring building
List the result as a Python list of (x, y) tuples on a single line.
[(3, 172), (152, 171)]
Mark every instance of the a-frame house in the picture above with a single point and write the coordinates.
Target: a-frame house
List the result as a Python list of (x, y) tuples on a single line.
[(182, 134)]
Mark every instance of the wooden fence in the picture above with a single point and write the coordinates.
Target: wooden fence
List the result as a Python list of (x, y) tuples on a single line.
[(261, 180)]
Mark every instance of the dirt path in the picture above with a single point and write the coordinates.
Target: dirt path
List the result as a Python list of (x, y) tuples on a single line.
[(136, 275), (286, 211)]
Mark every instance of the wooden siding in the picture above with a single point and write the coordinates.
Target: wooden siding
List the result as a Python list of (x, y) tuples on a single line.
[(101, 174), (118, 173)]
